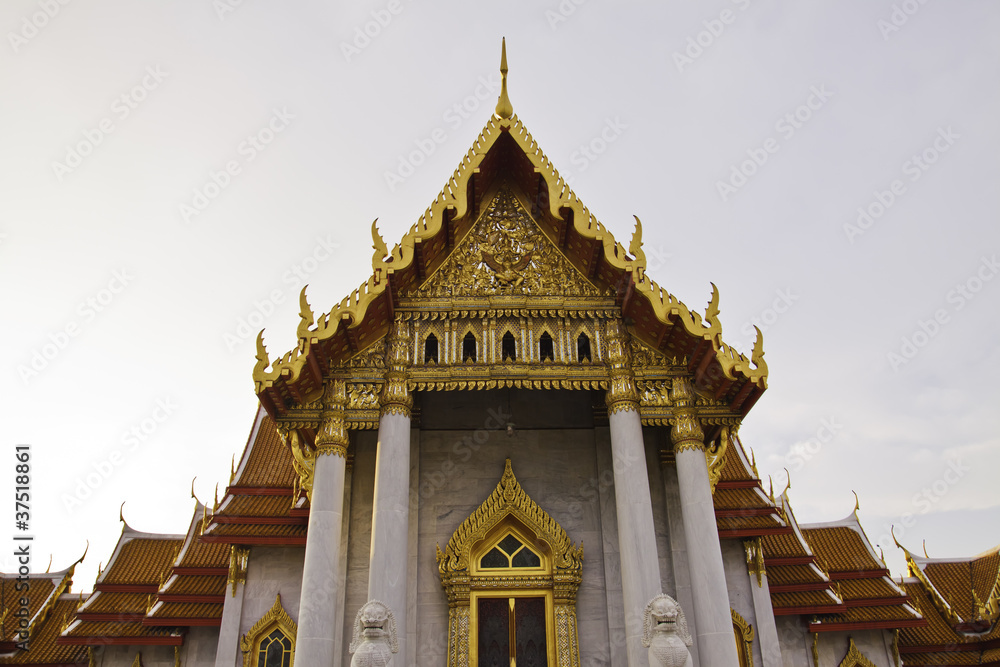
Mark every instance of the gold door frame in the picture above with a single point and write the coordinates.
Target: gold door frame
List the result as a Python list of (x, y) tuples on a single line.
[(464, 582)]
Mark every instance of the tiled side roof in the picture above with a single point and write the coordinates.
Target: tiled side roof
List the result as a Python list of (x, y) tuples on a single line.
[(44, 649)]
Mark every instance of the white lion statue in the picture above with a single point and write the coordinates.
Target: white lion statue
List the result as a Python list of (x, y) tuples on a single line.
[(665, 633), (374, 639)]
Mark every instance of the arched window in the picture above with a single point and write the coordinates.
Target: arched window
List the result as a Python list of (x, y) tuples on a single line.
[(545, 348), (469, 348), (274, 650), (508, 348), (271, 641), (431, 349), (583, 348)]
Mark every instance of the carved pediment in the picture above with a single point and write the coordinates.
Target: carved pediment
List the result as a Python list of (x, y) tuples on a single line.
[(506, 254)]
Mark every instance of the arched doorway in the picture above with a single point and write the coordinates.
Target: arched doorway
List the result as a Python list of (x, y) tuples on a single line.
[(511, 575)]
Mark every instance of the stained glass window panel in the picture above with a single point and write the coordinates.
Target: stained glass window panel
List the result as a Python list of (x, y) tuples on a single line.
[(529, 624), (526, 558), (494, 558), (510, 544), (494, 632)]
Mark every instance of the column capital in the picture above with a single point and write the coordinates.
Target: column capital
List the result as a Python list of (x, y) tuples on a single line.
[(395, 397), (686, 432), (621, 391), (331, 438)]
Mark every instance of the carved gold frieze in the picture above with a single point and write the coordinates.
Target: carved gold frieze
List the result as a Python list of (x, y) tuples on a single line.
[(331, 438), (622, 394), (506, 254), (395, 397)]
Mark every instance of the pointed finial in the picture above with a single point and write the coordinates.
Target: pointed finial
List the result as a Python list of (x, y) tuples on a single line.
[(306, 317), (857, 502), (925, 549), (192, 487), (232, 470), (378, 245), (789, 485), (85, 550), (121, 513), (49, 566), (215, 506), (504, 107)]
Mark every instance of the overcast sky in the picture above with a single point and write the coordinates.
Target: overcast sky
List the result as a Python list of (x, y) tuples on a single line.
[(172, 173)]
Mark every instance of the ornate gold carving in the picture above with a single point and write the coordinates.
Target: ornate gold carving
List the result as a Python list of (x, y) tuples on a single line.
[(854, 657), (506, 254), (744, 638), (331, 438), (621, 391), (362, 396), (303, 460), (459, 576), (716, 457), (686, 432), (275, 618), (396, 398), (238, 557), (755, 559), (504, 108), (372, 357)]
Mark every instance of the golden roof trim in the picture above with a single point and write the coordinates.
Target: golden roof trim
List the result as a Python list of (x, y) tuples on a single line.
[(353, 308)]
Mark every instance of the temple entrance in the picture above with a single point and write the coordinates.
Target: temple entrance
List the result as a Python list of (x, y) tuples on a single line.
[(511, 575), (512, 631)]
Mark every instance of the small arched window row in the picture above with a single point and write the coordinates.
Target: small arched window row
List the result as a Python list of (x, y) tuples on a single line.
[(469, 348), (431, 349)]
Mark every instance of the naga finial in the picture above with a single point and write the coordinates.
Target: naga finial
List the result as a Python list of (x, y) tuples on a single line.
[(378, 245), (712, 310), (504, 108), (262, 361), (306, 317), (857, 501), (635, 247)]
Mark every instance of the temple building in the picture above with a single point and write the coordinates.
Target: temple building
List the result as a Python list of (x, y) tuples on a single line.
[(508, 446)]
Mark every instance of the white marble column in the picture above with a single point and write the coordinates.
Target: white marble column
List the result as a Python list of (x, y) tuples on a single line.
[(766, 628), (387, 570), (228, 652), (318, 639), (636, 534), (716, 644)]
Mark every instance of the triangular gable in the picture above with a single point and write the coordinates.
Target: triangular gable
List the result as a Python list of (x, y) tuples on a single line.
[(506, 254), (506, 152)]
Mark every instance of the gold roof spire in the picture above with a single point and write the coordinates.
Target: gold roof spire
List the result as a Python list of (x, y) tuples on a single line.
[(504, 108)]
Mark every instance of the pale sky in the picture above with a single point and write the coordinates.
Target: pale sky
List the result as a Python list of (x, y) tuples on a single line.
[(172, 173)]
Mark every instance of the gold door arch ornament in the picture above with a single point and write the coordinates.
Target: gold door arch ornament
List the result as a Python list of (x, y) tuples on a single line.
[(744, 638), (275, 631), (854, 657), (556, 577)]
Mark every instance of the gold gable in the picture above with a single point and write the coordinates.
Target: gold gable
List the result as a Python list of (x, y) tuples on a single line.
[(506, 254)]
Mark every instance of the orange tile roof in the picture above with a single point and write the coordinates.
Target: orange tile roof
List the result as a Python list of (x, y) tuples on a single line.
[(255, 506), (44, 649), (266, 462), (196, 585), (140, 558), (187, 610), (842, 546), (40, 588)]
